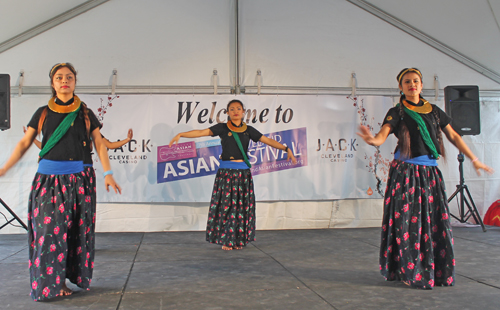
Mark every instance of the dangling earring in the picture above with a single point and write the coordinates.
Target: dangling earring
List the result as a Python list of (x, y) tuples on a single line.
[(401, 92)]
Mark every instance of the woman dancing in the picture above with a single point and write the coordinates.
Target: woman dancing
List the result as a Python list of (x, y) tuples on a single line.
[(231, 217), (61, 220), (417, 241)]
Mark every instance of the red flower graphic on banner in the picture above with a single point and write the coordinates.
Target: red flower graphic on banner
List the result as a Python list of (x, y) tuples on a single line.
[(377, 164), (104, 107)]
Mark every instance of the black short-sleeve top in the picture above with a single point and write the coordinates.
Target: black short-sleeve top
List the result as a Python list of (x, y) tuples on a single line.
[(230, 150), (87, 157), (417, 144), (72, 145)]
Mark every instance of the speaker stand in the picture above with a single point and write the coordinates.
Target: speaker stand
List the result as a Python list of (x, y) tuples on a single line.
[(14, 215), (463, 217)]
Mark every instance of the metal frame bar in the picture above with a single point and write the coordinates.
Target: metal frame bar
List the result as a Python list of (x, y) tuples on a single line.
[(249, 90), (131, 90), (427, 39), (51, 23)]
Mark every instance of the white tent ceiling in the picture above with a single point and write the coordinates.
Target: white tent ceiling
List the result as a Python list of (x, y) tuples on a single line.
[(314, 44)]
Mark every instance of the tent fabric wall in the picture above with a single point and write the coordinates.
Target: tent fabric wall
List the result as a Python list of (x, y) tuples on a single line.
[(155, 43), (320, 43), (316, 43)]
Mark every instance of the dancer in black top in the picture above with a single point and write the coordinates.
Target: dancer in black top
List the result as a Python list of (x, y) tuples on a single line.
[(417, 241), (231, 217), (61, 221)]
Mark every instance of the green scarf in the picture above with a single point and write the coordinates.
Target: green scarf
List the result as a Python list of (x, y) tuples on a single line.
[(423, 130), (245, 158), (59, 132)]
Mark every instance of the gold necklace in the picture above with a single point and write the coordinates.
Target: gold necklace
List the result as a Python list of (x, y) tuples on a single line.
[(232, 127), (426, 108), (64, 108)]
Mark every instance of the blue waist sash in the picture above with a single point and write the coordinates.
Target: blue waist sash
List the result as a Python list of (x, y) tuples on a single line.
[(424, 160), (227, 164), (59, 167), (88, 165)]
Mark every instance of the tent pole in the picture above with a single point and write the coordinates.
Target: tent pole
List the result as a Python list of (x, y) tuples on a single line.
[(237, 89)]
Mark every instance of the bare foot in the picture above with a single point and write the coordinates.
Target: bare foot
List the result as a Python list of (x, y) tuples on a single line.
[(65, 291), (406, 283), (237, 247), (227, 248)]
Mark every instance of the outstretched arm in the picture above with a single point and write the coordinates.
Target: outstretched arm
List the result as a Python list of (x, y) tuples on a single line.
[(102, 152), (457, 141), (21, 148), (37, 143), (114, 145), (279, 146), (379, 138), (190, 134)]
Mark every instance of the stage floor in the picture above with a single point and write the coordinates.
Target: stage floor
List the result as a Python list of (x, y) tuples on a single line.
[(285, 269)]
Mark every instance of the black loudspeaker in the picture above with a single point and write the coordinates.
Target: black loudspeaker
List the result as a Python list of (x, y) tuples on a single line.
[(4, 101), (462, 105)]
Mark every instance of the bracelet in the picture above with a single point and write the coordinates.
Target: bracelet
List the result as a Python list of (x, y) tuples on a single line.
[(107, 172), (286, 148), (475, 159)]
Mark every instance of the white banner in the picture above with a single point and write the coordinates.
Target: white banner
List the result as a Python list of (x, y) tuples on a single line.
[(321, 130), (334, 163)]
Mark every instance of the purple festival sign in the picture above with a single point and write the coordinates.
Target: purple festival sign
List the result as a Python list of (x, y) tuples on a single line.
[(176, 152), (265, 159), (185, 161)]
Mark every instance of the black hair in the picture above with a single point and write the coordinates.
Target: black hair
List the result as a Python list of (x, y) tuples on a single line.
[(235, 100)]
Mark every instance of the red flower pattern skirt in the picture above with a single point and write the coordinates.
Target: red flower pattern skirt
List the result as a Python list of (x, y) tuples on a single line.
[(61, 226), (417, 241), (231, 217)]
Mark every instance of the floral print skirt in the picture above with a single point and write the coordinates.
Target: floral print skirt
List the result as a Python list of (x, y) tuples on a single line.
[(61, 226), (231, 217), (417, 241), (90, 184)]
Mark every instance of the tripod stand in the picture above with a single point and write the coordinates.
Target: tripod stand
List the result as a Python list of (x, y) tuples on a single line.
[(463, 199), (14, 215)]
